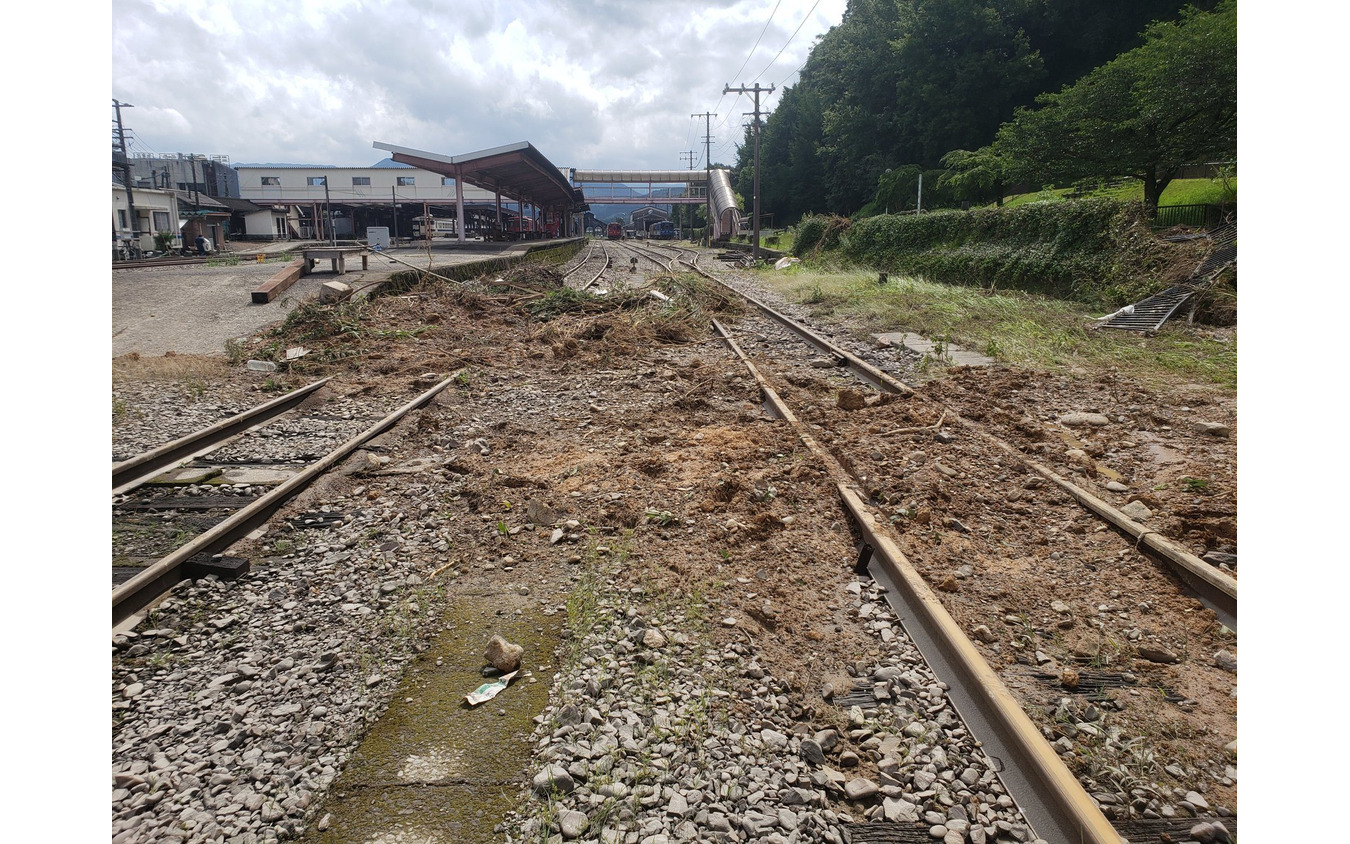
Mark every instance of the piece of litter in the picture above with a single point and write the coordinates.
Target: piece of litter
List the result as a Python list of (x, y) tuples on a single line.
[(488, 691)]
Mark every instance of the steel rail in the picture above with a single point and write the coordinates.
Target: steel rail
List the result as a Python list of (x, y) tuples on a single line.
[(603, 269), (590, 250), (657, 257), (168, 262), (1048, 794), (141, 590), (134, 471), (1215, 589)]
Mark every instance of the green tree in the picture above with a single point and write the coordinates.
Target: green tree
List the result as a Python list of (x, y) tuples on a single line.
[(1146, 113)]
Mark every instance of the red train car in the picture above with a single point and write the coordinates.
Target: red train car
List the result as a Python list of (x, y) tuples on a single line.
[(614, 232)]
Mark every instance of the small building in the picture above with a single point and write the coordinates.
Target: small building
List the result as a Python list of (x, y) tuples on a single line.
[(641, 219), (156, 212), (205, 216)]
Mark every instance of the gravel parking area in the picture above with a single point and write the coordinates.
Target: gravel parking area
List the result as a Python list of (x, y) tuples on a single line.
[(195, 309)]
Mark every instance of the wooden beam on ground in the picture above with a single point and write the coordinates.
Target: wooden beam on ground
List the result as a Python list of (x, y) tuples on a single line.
[(269, 289)]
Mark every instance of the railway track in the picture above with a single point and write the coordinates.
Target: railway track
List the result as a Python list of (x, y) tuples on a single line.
[(199, 507), (860, 462), (655, 435), (166, 262), (591, 268)]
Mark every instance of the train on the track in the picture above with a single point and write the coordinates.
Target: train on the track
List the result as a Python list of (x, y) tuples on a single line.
[(664, 230), (614, 231)]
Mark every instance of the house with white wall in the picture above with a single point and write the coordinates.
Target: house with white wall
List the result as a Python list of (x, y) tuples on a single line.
[(156, 211)]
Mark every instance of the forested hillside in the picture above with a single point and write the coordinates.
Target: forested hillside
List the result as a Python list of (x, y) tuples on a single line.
[(899, 84)]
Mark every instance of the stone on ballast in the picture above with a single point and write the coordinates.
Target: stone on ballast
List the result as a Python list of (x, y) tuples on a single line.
[(1214, 429), (678, 806), (539, 513), (503, 655), (861, 789), (757, 823), (812, 752), (899, 809), (773, 739), (1210, 832), (1080, 419), (1160, 655), (572, 823), (553, 778), (1136, 510)]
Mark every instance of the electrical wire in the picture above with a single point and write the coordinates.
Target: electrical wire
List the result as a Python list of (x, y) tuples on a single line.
[(737, 74), (717, 109), (789, 41)]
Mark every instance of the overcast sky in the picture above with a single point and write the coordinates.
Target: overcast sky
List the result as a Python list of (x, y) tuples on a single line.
[(603, 84)]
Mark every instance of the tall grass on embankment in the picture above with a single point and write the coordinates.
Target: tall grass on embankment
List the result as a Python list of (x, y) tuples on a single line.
[(1091, 250)]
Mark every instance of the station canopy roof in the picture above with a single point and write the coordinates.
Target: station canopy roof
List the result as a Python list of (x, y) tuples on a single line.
[(517, 170)]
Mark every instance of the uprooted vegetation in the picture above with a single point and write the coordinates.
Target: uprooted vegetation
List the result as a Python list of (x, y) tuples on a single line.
[(435, 325)]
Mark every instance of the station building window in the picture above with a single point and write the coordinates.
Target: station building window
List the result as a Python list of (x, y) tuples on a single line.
[(448, 181), (360, 181), (271, 180), (316, 181), (406, 181)]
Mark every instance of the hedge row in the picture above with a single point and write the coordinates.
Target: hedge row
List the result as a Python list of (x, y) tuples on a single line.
[(1092, 249)]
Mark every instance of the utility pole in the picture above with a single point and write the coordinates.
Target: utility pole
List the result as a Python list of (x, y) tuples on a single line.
[(126, 168), (328, 209), (754, 249), (689, 155), (393, 206), (707, 167), (196, 197)]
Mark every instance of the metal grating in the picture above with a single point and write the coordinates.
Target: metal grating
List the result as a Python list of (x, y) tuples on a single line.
[(1151, 313)]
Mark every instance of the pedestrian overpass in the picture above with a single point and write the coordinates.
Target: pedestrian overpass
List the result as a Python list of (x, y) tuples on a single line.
[(664, 187)]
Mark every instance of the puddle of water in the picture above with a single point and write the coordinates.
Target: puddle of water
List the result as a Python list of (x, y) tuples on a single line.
[(1163, 454)]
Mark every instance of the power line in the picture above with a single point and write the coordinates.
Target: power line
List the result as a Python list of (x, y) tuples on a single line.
[(798, 70), (789, 41), (748, 56), (757, 40)]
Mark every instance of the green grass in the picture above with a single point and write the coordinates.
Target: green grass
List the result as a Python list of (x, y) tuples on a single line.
[(1179, 192), (1016, 328)]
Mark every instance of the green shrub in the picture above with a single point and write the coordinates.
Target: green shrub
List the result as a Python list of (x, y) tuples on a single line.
[(1087, 249)]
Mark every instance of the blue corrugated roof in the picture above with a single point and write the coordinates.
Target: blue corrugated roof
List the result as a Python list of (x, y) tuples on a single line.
[(389, 162)]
